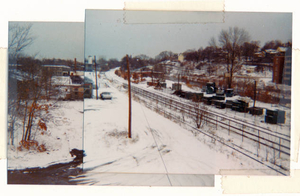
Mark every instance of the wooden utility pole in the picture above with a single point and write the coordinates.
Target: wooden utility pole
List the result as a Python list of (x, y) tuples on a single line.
[(129, 99), (96, 77), (254, 93)]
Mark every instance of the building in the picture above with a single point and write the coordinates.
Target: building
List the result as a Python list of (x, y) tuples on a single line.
[(180, 57), (57, 70), (282, 68), (271, 53), (287, 70), (282, 50), (89, 64), (250, 69), (278, 69)]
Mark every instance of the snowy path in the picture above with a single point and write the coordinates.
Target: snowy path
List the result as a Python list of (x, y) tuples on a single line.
[(158, 151)]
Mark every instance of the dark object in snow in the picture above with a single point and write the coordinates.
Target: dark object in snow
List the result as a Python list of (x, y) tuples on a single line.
[(79, 154), (210, 87), (196, 97), (275, 116), (207, 100), (239, 106), (229, 92), (176, 87), (256, 111)]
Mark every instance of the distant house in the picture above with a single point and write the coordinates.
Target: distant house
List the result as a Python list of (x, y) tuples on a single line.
[(260, 54), (180, 57), (58, 70), (271, 53), (72, 87), (282, 50), (78, 73), (250, 69)]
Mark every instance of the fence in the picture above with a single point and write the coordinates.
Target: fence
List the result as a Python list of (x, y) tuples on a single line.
[(268, 143)]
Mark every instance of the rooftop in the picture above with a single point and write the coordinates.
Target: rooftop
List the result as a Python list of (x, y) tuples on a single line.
[(62, 66)]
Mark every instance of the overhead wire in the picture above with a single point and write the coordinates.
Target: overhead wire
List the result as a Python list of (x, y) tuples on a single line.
[(167, 173)]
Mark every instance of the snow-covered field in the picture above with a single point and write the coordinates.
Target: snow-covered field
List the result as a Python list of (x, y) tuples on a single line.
[(64, 133), (160, 151)]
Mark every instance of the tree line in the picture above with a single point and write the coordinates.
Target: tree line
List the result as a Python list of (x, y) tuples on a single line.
[(231, 48), (29, 88)]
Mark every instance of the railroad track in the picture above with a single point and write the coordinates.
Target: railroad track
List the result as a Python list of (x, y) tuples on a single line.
[(263, 138)]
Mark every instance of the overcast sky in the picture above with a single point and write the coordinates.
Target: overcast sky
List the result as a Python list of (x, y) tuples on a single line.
[(63, 40), (110, 34), (106, 34)]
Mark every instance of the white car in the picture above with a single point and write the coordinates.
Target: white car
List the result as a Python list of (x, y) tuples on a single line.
[(105, 95)]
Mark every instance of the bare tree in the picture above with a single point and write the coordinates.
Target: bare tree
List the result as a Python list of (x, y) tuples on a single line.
[(212, 42), (231, 41), (160, 71), (166, 55), (249, 48), (200, 114), (274, 44), (27, 100), (19, 38), (12, 109)]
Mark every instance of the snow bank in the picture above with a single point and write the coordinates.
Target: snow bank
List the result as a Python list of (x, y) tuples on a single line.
[(65, 123)]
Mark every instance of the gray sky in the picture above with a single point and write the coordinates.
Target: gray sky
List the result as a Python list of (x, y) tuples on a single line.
[(106, 34), (63, 40)]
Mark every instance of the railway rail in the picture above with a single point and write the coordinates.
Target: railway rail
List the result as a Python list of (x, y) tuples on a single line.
[(265, 139)]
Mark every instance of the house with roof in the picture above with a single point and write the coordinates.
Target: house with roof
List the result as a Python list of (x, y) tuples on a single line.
[(57, 70), (282, 50)]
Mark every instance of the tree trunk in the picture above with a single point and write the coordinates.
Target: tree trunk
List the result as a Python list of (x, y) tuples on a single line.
[(30, 120), (29, 128), (11, 130), (231, 73), (24, 121)]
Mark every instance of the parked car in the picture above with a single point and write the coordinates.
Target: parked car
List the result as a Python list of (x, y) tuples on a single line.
[(105, 95)]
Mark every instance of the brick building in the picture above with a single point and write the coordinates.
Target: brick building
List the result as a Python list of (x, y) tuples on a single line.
[(282, 68), (278, 69), (287, 69)]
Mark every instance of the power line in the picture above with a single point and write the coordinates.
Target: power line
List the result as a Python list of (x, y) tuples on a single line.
[(157, 146)]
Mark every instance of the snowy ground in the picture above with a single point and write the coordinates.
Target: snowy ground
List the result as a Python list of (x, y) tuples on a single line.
[(160, 151), (246, 117), (64, 133)]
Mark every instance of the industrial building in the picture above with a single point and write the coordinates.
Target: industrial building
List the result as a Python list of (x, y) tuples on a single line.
[(282, 68)]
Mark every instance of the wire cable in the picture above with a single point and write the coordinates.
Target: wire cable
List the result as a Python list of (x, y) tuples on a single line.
[(156, 145)]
